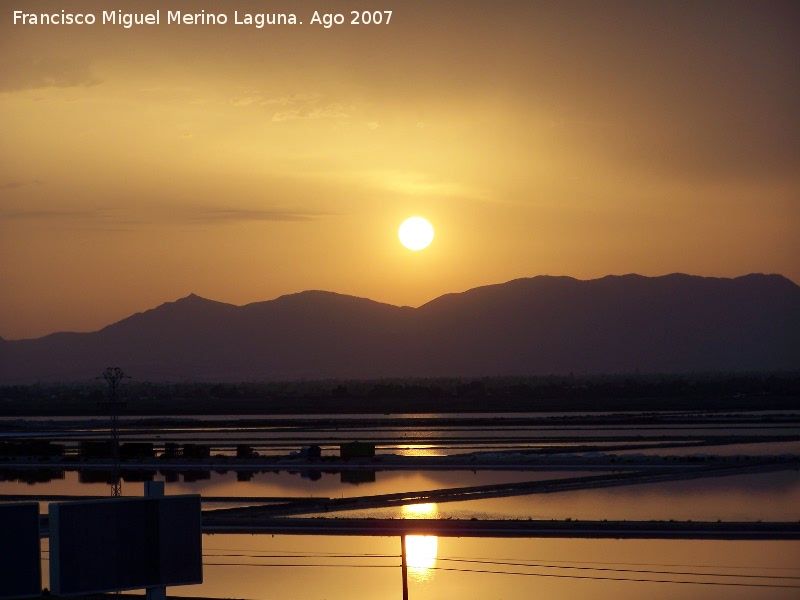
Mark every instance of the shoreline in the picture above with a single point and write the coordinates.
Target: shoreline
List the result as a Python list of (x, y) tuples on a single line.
[(569, 528)]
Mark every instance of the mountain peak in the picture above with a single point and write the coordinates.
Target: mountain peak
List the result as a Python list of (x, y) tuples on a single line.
[(196, 301), (193, 298)]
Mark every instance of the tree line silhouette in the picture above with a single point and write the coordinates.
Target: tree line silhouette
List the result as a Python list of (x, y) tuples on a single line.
[(633, 392)]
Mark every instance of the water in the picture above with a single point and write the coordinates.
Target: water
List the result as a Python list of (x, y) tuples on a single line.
[(757, 497), (330, 567), (442, 434), (278, 567), (752, 497)]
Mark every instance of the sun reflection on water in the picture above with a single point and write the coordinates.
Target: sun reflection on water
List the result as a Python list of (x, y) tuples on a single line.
[(421, 511), (421, 550)]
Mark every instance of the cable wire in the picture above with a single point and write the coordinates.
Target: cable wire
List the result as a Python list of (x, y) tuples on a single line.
[(518, 573), (644, 571), (533, 564), (603, 578)]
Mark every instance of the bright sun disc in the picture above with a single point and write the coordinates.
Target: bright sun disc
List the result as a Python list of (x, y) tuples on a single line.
[(416, 233)]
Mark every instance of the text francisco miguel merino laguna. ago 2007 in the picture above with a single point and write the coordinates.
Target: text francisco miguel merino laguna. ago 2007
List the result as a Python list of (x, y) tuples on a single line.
[(177, 17)]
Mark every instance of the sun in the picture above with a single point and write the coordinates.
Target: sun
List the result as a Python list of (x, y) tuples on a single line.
[(416, 233)]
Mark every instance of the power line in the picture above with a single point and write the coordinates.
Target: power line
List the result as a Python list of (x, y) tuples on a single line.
[(317, 556), (303, 556), (594, 562), (620, 567), (518, 573), (224, 553), (644, 571), (268, 553), (603, 578), (316, 566)]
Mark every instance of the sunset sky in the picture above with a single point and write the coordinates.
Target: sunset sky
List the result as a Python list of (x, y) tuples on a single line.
[(565, 138)]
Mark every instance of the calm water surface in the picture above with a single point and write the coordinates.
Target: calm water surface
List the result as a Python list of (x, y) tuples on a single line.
[(752, 497), (261, 567), (278, 567)]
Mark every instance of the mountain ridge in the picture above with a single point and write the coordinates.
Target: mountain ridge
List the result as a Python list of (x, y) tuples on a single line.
[(527, 326)]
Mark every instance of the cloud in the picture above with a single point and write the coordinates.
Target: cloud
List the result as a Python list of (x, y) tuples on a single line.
[(14, 185), (225, 215), (248, 101), (306, 106), (96, 219), (15, 214), (420, 184), (183, 216), (292, 107), (331, 111), (47, 72)]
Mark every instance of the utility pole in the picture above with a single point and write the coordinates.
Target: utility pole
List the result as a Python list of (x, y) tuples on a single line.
[(403, 565), (113, 375)]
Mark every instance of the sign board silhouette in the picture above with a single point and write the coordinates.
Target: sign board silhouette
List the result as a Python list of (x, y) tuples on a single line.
[(124, 544), (20, 555)]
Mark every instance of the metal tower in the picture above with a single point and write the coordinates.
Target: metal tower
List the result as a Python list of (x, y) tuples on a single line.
[(113, 375)]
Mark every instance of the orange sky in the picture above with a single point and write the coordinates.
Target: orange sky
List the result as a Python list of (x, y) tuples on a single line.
[(564, 138)]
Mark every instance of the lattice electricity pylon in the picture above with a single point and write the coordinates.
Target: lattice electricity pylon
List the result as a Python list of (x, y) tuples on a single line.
[(113, 375)]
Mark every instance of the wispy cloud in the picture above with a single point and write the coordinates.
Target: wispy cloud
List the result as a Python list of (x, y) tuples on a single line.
[(15, 185), (16, 214), (92, 219), (223, 215), (48, 72), (420, 184), (330, 111), (293, 107), (104, 218)]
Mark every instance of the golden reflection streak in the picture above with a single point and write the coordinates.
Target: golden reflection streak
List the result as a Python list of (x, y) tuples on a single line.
[(421, 550)]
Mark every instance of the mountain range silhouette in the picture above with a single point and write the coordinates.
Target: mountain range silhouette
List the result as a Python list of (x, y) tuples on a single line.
[(534, 326)]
